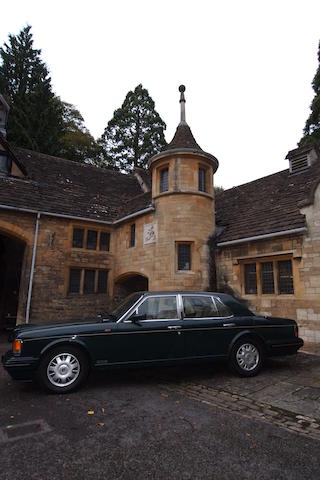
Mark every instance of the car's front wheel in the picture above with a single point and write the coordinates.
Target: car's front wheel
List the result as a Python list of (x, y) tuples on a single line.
[(246, 357), (63, 369)]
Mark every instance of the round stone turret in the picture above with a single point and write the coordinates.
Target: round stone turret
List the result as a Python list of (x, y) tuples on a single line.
[(183, 194)]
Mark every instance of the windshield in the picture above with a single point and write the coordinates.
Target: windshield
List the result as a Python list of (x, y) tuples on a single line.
[(126, 304)]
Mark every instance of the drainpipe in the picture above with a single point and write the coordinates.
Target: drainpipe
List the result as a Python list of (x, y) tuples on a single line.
[(34, 252)]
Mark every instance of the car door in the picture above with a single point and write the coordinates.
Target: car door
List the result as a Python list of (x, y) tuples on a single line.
[(208, 326), (156, 336)]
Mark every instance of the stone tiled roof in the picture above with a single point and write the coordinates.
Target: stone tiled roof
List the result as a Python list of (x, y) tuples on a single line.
[(183, 139), (267, 205), (135, 204), (59, 186)]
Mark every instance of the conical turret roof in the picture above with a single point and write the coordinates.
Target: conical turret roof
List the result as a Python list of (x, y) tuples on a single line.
[(183, 139)]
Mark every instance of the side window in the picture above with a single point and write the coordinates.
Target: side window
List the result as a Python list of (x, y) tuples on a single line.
[(159, 308), (223, 310), (199, 307)]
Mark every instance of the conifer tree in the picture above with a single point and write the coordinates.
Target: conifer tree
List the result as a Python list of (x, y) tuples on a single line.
[(77, 143), (35, 119), (312, 128), (134, 134)]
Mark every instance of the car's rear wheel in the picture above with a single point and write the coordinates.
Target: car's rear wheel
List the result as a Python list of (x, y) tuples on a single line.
[(63, 369), (246, 357)]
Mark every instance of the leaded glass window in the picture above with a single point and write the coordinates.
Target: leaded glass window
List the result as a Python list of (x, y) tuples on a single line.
[(89, 276), (92, 238), (164, 180), (250, 278), (105, 241), (202, 179), (285, 277), (74, 280), (184, 256), (77, 239), (267, 281)]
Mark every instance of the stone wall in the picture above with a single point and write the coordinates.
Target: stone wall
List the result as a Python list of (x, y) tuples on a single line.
[(50, 301), (304, 250), (309, 315)]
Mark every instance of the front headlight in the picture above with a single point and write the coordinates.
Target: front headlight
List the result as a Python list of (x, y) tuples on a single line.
[(17, 346)]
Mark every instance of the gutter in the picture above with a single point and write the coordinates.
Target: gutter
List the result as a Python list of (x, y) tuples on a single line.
[(262, 237), (34, 253), (136, 214), (73, 217)]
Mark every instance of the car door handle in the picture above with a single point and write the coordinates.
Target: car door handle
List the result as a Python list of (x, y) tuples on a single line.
[(174, 327), (228, 324)]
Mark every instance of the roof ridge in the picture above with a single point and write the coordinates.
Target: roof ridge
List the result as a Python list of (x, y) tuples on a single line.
[(252, 181), (78, 164)]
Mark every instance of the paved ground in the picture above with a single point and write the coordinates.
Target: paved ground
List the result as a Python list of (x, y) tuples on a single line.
[(196, 422)]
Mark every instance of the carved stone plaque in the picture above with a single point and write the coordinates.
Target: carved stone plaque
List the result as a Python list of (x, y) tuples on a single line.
[(150, 233)]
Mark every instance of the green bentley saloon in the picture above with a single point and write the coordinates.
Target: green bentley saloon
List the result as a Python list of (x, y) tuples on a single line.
[(150, 328)]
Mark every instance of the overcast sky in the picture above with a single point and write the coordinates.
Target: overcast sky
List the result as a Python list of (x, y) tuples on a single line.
[(247, 66)]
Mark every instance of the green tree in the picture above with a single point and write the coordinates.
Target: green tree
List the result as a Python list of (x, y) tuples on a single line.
[(134, 134), (35, 119), (77, 143), (312, 128)]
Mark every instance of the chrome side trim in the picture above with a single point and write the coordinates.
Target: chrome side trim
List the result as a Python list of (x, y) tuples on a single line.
[(47, 338), (175, 359)]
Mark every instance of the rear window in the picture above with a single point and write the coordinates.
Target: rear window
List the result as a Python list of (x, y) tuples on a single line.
[(198, 306), (223, 310)]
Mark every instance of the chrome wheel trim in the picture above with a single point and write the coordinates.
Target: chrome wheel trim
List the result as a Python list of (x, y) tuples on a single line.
[(63, 370), (247, 357)]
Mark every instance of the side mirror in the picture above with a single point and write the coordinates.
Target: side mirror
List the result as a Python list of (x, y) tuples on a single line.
[(136, 318)]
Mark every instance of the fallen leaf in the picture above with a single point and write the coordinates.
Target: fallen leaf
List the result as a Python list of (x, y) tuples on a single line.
[(177, 402), (11, 416), (90, 412), (248, 434), (101, 424), (102, 410), (9, 426), (164, 395)]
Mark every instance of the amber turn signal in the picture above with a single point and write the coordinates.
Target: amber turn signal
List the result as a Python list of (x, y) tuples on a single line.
[(296, 331), (17, 346)]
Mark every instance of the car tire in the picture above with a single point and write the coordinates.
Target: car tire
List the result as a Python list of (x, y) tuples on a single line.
[(246, 357), (63, 369)]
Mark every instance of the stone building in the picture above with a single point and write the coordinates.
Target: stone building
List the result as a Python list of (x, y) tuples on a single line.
[(75, 237)]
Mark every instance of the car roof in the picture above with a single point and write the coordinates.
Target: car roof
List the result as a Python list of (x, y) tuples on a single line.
[(185, 292)]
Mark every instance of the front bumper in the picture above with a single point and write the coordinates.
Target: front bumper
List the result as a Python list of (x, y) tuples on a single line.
[(19, 368)]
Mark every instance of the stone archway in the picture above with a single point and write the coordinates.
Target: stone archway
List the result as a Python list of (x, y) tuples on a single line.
[(11, 259), (130, 283)]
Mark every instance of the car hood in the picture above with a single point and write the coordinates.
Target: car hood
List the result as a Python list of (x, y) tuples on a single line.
[(45, 329)]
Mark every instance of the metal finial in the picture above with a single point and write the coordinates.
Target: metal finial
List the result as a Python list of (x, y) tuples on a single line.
[(182, 89)]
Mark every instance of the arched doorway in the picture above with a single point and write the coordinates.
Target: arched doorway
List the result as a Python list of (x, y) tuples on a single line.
[(11, 258), (130, 283)]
